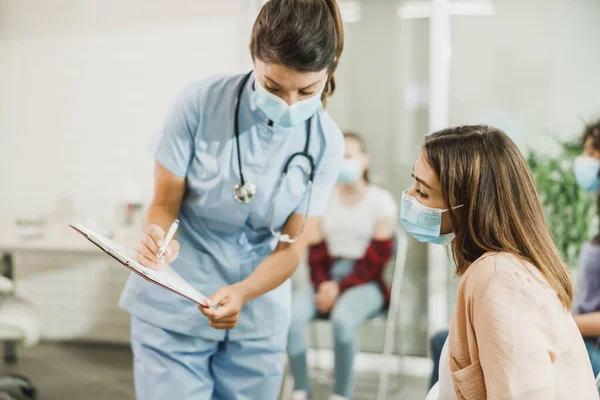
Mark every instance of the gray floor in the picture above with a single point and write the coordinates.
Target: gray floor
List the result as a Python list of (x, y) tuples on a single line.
[(101, 372)]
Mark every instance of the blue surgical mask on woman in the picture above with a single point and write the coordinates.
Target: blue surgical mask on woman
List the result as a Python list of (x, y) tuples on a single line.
[(350, 171), (422, 222), (586, 173), (278, 111)]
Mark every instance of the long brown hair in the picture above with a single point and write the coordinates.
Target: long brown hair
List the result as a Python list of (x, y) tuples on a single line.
[(481, 168), (304, 35)]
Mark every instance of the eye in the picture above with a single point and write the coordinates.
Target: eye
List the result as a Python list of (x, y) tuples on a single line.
[(303, 93), (273, 90), (419, 192)]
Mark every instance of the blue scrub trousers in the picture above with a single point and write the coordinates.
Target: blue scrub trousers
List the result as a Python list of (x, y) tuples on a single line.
[(169, 365)]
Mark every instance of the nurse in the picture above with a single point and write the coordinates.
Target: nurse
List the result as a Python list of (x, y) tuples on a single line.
[(246, 163)]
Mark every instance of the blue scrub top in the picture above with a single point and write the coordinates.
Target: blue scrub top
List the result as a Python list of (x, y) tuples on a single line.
[(223, 241)]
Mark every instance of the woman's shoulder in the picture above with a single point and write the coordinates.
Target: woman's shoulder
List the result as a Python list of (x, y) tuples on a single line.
[(212, 85), (495, 273), (330, 135), (197, 95), (327, 125)]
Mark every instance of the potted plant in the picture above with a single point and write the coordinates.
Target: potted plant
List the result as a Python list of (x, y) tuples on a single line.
[(570, 211)]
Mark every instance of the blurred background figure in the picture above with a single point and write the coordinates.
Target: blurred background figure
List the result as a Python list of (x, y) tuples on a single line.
[(586, 309), (346, 260)]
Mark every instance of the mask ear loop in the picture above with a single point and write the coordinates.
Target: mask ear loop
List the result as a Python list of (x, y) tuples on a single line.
[(454, 208)]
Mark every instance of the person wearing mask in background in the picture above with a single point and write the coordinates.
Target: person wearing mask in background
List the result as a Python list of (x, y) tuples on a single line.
[(346, 259), (512, 335), (586, 309), (246, 163)]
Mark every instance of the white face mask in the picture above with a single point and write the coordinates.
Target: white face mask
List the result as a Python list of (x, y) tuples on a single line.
[(278, 111), (422, 222)]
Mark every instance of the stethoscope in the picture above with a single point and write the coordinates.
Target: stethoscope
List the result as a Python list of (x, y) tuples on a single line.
[(244, 192)]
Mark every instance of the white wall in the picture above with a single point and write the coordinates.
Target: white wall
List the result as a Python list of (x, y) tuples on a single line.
[(533, 67), (85, 83), (83, 86)]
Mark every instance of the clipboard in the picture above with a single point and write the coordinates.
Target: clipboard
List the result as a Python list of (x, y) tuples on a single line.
[(166, 278)]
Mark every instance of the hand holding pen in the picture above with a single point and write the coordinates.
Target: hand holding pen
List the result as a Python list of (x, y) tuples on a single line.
[(157, 249)]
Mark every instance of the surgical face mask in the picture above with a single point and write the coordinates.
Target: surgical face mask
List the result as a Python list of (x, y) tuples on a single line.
[(350, 171), (422, 222), (278, 111), (586, 173)]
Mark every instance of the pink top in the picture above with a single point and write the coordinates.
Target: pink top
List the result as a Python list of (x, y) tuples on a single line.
[(511, 338)]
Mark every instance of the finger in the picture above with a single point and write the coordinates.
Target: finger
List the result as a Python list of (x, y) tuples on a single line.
[(145, 261), (215, 318), (224, 313), (232, 319), (150, 243), (207, 311), (146, 252), (172, 252), (156, 233), (223, 326), (219, 297)]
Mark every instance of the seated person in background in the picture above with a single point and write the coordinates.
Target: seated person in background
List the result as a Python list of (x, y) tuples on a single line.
[(586, 310), (346, 267)]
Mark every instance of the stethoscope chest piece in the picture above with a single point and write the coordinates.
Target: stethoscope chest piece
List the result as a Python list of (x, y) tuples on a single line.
[(244, 193)]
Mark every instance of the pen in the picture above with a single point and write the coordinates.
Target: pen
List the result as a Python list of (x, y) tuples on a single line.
[(168, 239)]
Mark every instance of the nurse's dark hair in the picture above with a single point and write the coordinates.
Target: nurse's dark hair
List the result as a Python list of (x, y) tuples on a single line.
[(363, 148), (592, 131), (481, 168), (304, 35)]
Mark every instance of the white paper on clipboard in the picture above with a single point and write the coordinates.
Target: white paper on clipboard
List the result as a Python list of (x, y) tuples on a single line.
[(167, 277)]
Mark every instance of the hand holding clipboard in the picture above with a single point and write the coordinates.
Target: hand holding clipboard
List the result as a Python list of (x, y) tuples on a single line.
[(165, 277)]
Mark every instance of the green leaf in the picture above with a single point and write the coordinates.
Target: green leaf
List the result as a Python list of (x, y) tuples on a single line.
[(569, 211)]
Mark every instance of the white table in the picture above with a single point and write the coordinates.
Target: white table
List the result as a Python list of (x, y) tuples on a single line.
[(56, 237)]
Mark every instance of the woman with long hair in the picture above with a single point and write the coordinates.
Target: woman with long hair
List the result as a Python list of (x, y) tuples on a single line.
[(511, 335)]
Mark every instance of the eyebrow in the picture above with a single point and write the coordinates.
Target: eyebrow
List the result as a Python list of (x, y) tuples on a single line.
[(279, 85), (421, 181)]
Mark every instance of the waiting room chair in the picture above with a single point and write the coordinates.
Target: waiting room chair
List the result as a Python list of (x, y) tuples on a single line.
[(19, 323), (387, 318)]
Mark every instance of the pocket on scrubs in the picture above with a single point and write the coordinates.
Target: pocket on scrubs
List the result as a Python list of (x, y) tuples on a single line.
[(273, 311), (210, 192)]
